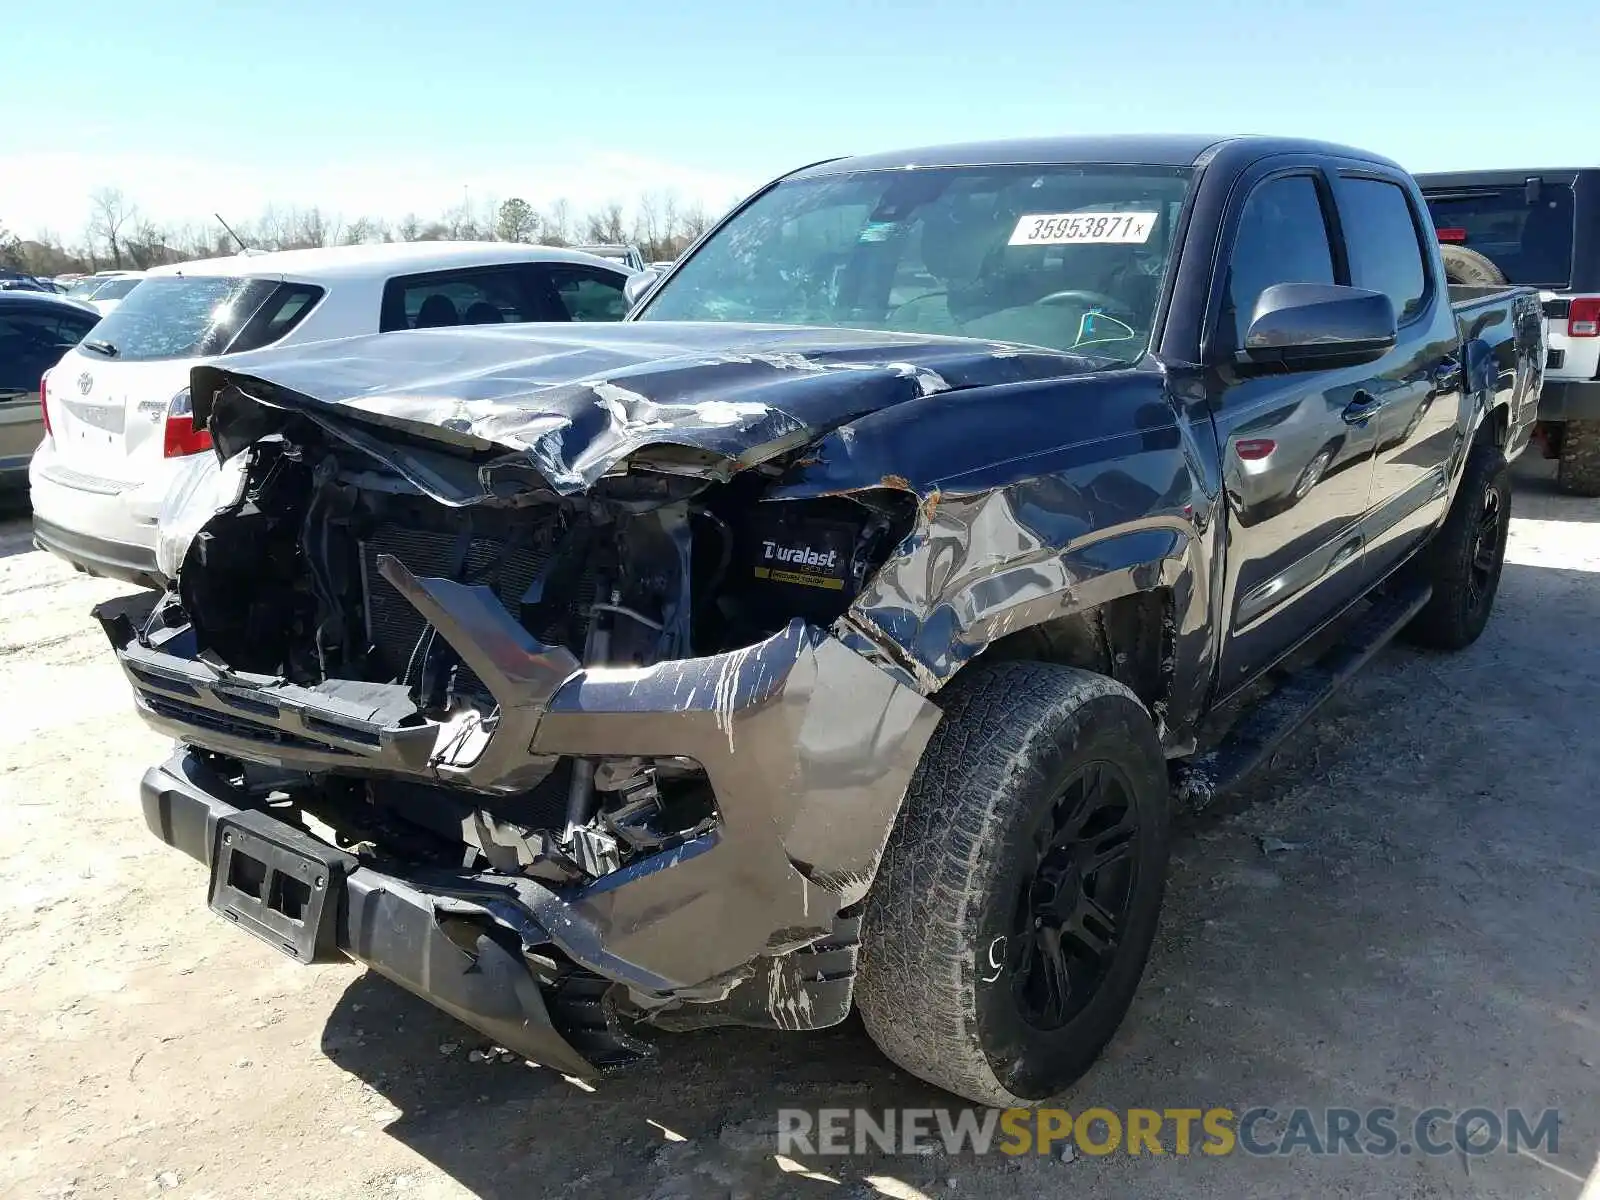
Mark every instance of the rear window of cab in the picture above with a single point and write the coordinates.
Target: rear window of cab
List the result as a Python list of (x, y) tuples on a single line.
[(200, 316)]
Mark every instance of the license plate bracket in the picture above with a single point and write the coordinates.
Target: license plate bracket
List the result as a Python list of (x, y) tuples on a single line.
[(279, 884)]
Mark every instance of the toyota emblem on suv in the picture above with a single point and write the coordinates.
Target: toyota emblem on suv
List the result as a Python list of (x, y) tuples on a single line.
[(85, 382)]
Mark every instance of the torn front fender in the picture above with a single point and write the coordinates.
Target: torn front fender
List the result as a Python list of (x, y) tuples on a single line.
[(1030, 527), (809, 749)]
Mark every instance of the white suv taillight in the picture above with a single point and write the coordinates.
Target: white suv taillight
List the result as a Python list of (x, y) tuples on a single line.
[(180, 435), (1583, 317), (44, 403)]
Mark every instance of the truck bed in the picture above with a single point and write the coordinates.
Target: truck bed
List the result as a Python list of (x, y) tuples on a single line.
[(1504, 350)]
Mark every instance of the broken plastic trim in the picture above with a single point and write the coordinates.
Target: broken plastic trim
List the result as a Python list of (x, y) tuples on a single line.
[(808, 747), (349, 724)]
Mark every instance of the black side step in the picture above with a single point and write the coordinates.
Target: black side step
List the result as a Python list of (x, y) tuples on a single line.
[(1202, 779)]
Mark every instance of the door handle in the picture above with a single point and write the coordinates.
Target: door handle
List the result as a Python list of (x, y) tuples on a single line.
[(1361, 408), (13, 393)]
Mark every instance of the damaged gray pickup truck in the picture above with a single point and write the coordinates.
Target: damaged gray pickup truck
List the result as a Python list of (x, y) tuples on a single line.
[(841, 628)]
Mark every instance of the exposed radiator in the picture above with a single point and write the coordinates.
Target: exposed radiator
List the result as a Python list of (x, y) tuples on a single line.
[(396, 630)]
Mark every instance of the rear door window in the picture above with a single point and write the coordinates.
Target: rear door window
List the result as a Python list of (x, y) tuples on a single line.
[(1383, 242), (280, 313), (194, 316), (1529, 240), (474, 296), (588, 293)]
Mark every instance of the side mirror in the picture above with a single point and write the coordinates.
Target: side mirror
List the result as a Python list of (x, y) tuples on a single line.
[(1308, 326), (638, 284)]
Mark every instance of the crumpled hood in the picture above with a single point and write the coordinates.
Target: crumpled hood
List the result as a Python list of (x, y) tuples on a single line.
[(572, 401)]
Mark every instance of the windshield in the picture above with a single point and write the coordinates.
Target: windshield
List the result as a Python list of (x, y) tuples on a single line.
[(1530, 241), (84, 288), (176, 316), (1068, 258)]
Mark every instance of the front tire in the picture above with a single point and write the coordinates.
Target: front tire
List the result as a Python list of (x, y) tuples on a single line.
[(1013, 912), (1464, 560)]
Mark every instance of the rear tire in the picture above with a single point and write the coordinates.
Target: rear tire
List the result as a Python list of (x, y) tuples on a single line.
[(1578, 469), (979, 970), (1464, 560), (1469, 267)]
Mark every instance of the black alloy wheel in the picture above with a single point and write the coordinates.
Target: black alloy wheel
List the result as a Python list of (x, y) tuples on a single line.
[(1486, 547), (1074, 904)]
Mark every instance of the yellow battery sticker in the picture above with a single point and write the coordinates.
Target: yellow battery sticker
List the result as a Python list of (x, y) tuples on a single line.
[(821, 581)]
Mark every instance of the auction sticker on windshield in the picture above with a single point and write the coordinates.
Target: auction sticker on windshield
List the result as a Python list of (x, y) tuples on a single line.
[(1060, 229)]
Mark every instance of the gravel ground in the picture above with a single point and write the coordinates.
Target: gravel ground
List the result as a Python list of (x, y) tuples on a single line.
[(1401, 913)]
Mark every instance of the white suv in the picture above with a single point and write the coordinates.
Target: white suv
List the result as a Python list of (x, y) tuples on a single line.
[(118, 425)]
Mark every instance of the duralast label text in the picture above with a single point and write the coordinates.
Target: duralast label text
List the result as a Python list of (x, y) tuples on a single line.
[(799, 556)]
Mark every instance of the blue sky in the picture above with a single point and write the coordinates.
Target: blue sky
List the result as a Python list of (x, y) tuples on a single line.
[(389, 106)]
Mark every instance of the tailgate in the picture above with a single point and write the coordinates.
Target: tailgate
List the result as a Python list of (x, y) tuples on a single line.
[(112, 402), (106, 416)]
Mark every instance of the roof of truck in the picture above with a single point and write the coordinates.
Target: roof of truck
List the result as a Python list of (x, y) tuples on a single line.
[(1156, 150)]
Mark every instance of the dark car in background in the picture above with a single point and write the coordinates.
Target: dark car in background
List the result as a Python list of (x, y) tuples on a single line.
[(18, 281), (1538, 228), (36, 329)]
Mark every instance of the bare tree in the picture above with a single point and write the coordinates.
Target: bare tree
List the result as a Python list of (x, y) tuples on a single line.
[(10, 248), (673, 240), (270, 230), (648, 230), (555, 227), (605, 225), (363, 230), (146, 245), (659, 223), (309, 228), (109, 212), (695, 222), (190, 240), (461, 225), (41, 254)]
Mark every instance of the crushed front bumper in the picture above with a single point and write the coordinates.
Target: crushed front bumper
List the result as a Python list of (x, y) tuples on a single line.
[(807, 746), (390, 924)]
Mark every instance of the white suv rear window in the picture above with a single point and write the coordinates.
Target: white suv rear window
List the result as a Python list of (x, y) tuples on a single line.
[(198, 316)]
